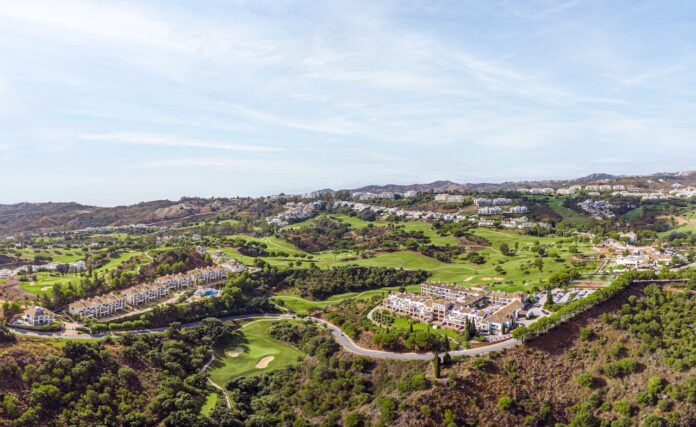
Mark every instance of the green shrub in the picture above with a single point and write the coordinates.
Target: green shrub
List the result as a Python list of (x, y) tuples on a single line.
[(622, 407), (412, 383), (585, 380), (504, 403)]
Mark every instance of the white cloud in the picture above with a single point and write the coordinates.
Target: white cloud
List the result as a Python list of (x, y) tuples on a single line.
[(236, 164), (135, 138)]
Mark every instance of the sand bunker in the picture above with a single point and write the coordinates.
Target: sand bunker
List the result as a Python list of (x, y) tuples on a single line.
[(46, 288), (235, 352), (492, 278), (468, 279), (264, 362)]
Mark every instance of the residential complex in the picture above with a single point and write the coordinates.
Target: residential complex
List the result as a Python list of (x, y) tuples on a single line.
[(492, 210), (451, 306), (449, 198), (100, 306), (107, 305)]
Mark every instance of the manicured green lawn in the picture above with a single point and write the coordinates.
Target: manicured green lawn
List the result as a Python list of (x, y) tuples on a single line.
[(209, 405), (302, 306), (568, 215), (256, 344), (46, 280), (57, 255)]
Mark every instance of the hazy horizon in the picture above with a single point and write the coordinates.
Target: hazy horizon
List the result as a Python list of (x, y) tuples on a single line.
[(115, 103), (307, 190)]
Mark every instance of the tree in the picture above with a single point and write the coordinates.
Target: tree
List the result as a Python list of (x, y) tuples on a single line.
[(436, 365), (539, 264), (505, 249), (446, 359)]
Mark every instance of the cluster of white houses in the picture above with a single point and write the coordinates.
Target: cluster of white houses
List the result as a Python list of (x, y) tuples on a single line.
[(451, 306), (106, 305)]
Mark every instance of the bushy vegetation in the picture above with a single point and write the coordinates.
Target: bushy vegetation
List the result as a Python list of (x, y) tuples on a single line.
[(657, 320), (145, 380), (320, 284), (330, 234)]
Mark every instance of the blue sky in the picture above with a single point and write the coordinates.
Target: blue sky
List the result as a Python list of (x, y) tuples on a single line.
[(117, 102)]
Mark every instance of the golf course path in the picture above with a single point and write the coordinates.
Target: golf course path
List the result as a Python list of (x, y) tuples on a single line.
[(345, 341), (214, 384)]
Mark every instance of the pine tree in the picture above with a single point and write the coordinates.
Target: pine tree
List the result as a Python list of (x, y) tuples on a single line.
[(446, 359)]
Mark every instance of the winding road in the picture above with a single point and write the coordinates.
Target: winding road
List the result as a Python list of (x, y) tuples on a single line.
[(342, 339)]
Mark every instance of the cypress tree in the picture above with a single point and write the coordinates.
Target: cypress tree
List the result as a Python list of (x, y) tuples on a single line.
[(436, 365)]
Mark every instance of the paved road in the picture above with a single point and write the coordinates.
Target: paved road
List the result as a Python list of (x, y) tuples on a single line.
[(342, 339), (349, 345)]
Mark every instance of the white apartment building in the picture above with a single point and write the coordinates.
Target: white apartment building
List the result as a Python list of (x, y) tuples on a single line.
[(501, 201), (490, 211), (100, 306), (411, 305), (144, 293), (37, 316), (451, 306), (449, 198), (519, 210)]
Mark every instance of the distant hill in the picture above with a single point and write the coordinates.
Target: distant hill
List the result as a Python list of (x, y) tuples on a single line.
[(51, 216), (657, 180), (23, 217)]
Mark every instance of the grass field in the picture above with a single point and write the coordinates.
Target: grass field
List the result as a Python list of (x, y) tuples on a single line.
[(209, 405), (568, 215), (57, 255), (302, 306), (256, 345), (46, 280), (513, 277)]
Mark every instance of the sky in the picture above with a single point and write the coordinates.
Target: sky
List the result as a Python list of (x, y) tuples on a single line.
[(116, 102)]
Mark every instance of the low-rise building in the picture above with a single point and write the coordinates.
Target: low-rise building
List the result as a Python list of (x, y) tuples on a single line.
[(449, 198), (501, 201), (519, 210), (100, 306), (37, 316), (452, 306), (491, 210), (144, 293)]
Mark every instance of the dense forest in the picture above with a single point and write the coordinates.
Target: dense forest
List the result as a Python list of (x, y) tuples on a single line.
[(139, 380)]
